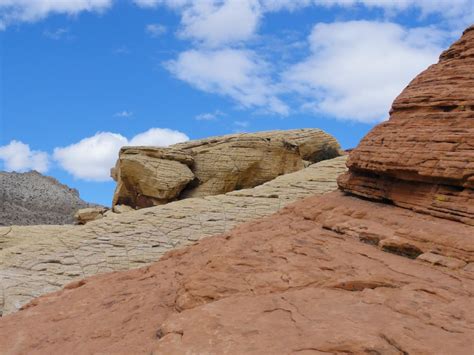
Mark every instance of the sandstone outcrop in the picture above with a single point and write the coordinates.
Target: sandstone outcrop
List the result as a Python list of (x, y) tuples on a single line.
[(32, 199), (149, 176), (310, 279), (34, 261), (89, 214), (423, 156), (333, 273)]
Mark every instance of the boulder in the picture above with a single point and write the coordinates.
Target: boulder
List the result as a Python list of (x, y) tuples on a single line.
[(423, 157), (152, 176), (89, 214)]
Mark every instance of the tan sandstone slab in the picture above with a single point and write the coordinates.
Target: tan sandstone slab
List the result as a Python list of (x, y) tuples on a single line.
[(304, 280), (37, 261)]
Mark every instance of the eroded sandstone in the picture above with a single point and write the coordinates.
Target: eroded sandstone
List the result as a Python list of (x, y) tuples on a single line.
[(302, 280), (38, 260), (423, 156), (149, 176)]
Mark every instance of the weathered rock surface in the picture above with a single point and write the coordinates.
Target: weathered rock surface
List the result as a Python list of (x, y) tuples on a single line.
[(44, 259), (328, 274), (423, 156), (32, 199), (89, 214), (152, 176), (309, 279)]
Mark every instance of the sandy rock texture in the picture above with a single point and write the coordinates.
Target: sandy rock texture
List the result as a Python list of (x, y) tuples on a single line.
[(330, 274), (317, 277), (427, 145), (149, 176), (32, 198), (85, 215), (34, 261)]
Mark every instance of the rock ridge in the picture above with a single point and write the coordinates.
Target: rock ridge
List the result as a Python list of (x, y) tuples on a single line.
[(423, 156), (32, 199), (41, 259), (149, 176)]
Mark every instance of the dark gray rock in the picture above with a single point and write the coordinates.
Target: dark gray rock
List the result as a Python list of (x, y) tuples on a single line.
[(32, 198)]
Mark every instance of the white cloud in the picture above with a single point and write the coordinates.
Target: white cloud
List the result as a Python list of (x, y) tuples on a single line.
[(91, 158), (155, 29), (124, 113), (357, 68), (217, 23), (13, 11), (18, 156), (239, 74), (210, 116), (161, 137)]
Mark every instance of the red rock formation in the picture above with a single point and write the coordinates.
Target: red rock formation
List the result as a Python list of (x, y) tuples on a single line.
[(321, 275), (329, 274), (423, 156)]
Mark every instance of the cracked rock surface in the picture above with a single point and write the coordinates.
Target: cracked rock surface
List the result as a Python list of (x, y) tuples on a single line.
[(41, 259), (312, 278), (149, 176)]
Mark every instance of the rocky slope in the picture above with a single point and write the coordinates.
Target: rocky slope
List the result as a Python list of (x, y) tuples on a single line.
[(329, 274), (287, 284), (41, 259), (152, 176), (427, 145), (32, 199)]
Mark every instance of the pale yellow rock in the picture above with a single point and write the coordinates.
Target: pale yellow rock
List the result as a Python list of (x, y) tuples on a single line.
[(37, 260), (122, 209), (150, 181), (151, 176), (85, 215)]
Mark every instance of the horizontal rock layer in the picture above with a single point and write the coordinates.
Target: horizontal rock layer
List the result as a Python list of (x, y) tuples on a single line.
[(43, 259), (329, 274), (423, 156), (152, 176)]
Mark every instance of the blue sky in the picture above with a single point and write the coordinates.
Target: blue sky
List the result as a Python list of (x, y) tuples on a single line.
[(80, 78)]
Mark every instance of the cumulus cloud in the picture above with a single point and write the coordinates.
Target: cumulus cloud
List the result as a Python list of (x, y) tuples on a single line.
[(235, 73), (161, 137), (218, 23), (17, 156), (13, 11), (92, 157), (357, 68)]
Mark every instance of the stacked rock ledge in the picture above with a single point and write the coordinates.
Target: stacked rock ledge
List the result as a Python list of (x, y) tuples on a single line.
[(148, 176), (423, 157)]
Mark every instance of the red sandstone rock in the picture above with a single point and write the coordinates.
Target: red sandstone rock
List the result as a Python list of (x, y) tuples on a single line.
[(330, 274), (423, 156), (319, 276)]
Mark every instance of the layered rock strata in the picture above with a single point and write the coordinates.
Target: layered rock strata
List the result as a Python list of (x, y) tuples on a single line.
[(423, 157), (329, 274), (34, 261), (149, 176)]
